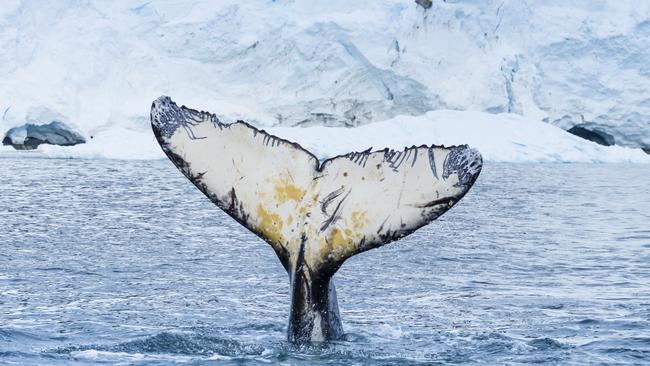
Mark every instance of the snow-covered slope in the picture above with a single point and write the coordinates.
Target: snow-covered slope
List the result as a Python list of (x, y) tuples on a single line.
[(499, 137), (98, 65)]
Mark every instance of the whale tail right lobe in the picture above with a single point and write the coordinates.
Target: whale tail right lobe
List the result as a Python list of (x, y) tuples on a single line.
[(314, 215)]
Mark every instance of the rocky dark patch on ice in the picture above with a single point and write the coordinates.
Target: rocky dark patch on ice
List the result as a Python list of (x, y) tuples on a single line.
[(424, 3), (29, 136)]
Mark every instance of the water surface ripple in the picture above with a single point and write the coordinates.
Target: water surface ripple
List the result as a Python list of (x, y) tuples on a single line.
[(120, 262)]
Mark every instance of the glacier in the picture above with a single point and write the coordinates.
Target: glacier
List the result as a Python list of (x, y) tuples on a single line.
[(510, 69)]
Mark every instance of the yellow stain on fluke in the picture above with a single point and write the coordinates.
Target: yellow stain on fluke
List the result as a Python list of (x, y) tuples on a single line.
[(285, 191), (342, 240), (336, 244), (269, 225), (359, 219), (338, 240)]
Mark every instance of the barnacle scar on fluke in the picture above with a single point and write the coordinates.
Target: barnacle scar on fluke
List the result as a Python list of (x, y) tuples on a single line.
[(315, 215)]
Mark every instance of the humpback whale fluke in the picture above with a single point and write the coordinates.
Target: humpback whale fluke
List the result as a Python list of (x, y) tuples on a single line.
[(314, 215)]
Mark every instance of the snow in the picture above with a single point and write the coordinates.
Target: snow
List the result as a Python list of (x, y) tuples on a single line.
[(502, 137), (97, 66), (499, 137)]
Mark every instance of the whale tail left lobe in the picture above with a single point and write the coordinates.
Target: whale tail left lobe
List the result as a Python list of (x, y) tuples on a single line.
[(314, 215)]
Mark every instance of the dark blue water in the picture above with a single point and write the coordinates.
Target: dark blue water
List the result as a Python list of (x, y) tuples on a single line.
[(113, 262)]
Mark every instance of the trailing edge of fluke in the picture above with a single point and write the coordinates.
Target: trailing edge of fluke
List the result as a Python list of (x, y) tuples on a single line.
[(314, 215)]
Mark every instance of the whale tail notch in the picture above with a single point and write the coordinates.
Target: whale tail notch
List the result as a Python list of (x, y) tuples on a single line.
[(314, 215)]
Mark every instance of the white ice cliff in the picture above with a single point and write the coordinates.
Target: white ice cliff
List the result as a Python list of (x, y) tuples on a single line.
[(98, 65)]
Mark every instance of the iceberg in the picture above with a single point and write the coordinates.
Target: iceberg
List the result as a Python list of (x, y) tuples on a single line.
[(29, 136)]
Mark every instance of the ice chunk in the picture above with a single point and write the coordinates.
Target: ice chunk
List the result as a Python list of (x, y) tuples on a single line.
[(29, 136)]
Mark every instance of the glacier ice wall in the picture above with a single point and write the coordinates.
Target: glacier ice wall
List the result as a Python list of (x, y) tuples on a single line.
[(98, 65)]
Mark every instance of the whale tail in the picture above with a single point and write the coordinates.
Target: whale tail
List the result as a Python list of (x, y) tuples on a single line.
[(314, 215)]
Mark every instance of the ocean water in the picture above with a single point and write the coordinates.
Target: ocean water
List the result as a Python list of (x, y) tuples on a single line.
[(116, 262)]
